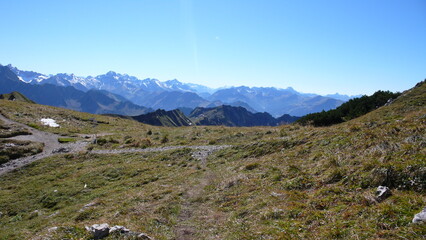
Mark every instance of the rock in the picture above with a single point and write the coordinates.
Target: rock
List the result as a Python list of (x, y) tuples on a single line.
[(61, 150), (99, 230), (420, 217), (382, 193), (144, 236), (119, 229), (274, 194), (92, 204), (53, 214), (52, 229)]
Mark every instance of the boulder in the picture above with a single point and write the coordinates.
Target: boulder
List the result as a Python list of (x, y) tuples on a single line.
[(382, 193), (99, 230), (420, 217)]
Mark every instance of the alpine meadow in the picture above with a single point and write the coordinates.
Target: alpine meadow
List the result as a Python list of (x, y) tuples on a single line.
[(213, 120)]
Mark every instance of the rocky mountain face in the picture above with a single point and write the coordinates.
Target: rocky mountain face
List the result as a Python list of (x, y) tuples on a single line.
[(173, 94), (27, 76), (93, 101)]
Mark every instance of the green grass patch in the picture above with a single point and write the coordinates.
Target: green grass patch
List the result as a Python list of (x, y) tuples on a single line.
[(66, 140)]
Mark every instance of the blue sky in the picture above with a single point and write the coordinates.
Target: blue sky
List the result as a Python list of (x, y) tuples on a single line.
[(350, 47)]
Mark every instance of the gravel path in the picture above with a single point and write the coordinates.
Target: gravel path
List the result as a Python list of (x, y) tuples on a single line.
[(50, 141), (201, 154), (52, 147)]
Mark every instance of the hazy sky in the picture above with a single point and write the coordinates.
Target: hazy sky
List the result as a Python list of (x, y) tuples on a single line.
[(350, 47)]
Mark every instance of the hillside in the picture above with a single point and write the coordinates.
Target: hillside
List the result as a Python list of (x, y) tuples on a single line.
[(230, 116), (287, 182), (173, 118), (352, 109), (15, 96)]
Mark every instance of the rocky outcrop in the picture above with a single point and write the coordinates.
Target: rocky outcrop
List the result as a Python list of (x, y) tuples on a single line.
[(100, 231)]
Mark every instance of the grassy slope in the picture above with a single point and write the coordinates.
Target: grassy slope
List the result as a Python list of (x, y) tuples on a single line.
[(317, 183), (290, 182), (15, 96)]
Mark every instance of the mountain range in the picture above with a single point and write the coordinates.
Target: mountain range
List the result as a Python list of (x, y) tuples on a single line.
[(92, 101), (173, 94)]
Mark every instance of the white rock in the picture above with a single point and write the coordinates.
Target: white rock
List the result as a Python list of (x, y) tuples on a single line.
[(120, 229), (144, 236), (99, 230), (420, 217), (382, 193)]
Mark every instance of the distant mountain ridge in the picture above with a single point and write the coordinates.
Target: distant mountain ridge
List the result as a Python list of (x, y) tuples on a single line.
[(236, 117), (174, 94), (27, 76), (173, 118), (224, 115), (93, 101), (276, 101)]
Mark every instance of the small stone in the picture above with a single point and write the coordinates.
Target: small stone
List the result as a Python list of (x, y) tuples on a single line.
[(382, 193), (144, 236), (53, 214), (420, 217), (119, 229), (61, 150), (99, 231), (52, 229), (276, 194)]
